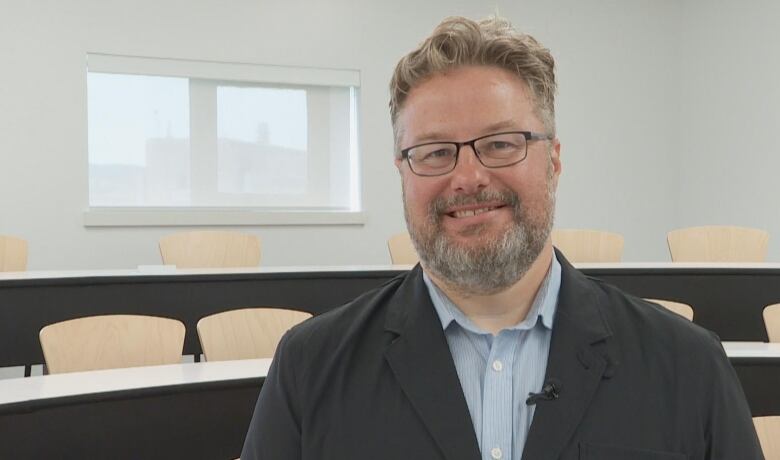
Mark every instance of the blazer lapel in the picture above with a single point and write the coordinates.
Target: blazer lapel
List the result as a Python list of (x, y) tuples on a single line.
[(576, 360), (421, 361)]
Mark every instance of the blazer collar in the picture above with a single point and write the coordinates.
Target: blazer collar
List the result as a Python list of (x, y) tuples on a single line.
[(579, 359), (420, 358), (422, 363)]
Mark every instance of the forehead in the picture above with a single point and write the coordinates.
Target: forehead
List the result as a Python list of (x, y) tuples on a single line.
[(464, 103)]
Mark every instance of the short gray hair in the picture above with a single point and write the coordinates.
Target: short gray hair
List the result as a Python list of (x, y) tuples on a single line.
[(459, 41)]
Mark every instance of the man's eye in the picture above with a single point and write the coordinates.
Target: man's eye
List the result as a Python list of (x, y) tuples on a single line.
[(436, 155), (501, 145)]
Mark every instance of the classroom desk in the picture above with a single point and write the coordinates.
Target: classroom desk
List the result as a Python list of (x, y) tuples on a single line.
[(727, 298), (31, 300), (758, 367), (202, 410), (193, 410)]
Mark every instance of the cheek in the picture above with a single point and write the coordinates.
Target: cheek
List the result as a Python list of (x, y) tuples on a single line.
[(537, 191), (531, 186), (418, 194), (415, 198)]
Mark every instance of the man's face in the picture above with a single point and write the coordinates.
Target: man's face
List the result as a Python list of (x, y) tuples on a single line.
[(478, 228)]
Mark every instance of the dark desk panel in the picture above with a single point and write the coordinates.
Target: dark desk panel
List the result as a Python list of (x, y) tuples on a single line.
[(728, 301), (760, 379), (202, 421), (26, 306), (206, 421)]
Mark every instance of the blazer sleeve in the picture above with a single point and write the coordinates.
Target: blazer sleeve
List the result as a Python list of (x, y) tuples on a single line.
[(275, 430), (729, 429)]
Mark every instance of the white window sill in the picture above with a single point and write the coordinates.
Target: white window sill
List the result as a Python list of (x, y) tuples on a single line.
[(115, 217)]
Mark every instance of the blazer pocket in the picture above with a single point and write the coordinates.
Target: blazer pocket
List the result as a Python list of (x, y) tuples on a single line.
[(589, 451)]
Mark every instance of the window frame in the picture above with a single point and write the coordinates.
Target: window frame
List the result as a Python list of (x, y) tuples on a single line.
[(208, 76)]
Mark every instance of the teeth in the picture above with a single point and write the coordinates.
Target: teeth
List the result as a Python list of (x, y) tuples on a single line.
[(470, 212)]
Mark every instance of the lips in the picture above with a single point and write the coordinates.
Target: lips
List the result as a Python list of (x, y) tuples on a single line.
[(475, 208), (461, 213)]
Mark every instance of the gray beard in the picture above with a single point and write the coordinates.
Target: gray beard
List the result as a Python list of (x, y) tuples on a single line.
[(496, 264)]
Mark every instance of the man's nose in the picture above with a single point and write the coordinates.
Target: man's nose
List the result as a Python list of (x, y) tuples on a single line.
[(469, 176)]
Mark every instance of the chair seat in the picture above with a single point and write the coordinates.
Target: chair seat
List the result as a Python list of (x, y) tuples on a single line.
[(13, 254), (210, 249), (718, 243), (111, 341), (768, 431), (682, 309), (402, 250), (772, 322), (583, 246), (246, 333)]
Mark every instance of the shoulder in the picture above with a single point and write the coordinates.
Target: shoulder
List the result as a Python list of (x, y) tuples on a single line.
[(659, 353), (361, 317), (649, 320), (643, 327)]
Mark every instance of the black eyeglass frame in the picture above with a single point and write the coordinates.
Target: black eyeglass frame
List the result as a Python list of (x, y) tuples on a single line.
[(528, 135)]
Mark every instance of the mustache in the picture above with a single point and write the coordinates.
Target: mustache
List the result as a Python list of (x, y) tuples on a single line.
[(508, 197)]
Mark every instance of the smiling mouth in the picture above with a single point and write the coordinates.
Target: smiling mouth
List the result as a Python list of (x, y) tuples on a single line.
[(471, 212)]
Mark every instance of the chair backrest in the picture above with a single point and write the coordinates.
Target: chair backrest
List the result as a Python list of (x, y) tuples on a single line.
[(768, 431), (718, 244), (772, 322), (588, 245), (247, 333), (682, 309), (210, 249), (402, 250), (111, 341), (13, 254)]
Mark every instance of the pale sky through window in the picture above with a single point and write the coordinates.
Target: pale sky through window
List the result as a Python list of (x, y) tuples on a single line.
[(126, 110), (254, 147), (243, 111)]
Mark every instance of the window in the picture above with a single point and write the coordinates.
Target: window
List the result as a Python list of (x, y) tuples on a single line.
[(190, 142)]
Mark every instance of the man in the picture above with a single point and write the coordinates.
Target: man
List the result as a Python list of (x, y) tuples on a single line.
[(494, 347)]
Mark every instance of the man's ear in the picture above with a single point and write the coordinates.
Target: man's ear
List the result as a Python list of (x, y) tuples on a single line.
[(555, 157)]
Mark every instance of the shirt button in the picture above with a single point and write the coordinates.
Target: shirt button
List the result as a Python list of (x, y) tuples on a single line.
[(496, 453), (498, 365)]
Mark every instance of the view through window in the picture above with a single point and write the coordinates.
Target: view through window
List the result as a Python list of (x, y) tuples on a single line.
[(187, 134)]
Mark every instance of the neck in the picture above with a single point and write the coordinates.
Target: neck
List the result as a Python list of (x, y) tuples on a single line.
[(494, 312)]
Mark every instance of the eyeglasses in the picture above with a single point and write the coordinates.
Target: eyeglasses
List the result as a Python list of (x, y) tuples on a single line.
[(493, 151)]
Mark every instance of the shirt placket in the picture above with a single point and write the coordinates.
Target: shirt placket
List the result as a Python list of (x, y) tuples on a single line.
[(497, 402)]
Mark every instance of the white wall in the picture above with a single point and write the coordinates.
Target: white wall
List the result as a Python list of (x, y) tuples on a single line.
[(614, 92), (619, 111), (729, 154)]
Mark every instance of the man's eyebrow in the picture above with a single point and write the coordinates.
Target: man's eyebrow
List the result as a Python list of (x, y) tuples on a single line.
[(434, 136), (500, 126)]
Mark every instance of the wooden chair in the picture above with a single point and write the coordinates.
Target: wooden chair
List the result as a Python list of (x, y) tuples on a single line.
[(588, 245), (768, 431), (246, 333), (210, 249), (772, 322), (13, 254), (111, 341), (718, 244), (402, 250), (682, 309)]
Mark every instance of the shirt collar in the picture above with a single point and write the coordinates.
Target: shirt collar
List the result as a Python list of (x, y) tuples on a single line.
[(543, 307)]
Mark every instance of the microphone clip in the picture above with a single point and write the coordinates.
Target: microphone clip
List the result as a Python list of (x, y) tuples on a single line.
[(551, 390)]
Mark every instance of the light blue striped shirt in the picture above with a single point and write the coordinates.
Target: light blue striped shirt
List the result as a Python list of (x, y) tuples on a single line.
[(497, 372)]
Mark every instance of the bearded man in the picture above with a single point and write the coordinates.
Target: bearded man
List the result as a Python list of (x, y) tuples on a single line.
[(493, 347)]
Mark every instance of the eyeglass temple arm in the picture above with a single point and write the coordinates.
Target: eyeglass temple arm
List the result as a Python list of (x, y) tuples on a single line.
[(540, 137)]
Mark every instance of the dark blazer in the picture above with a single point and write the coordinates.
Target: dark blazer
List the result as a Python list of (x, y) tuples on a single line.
[(375, 379)]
